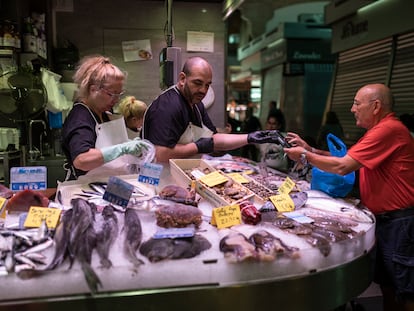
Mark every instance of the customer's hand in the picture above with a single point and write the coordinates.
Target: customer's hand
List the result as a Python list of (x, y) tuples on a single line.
[(295, 140)]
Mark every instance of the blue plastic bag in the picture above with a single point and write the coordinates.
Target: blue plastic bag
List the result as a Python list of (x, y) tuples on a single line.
[(333, 184)]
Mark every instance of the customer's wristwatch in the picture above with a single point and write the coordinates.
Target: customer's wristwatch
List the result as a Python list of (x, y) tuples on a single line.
[(303, 159)]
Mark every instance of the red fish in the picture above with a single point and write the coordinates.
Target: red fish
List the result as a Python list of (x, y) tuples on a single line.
[(22, 200)]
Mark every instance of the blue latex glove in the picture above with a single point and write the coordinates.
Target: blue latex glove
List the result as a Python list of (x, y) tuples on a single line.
[(136, 147)]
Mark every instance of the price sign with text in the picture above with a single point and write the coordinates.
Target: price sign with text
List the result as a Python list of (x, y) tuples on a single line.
[(283, 202), (226, 216), (238, 178), (213, 179), (118, 191), (38, 214), (287, 186)]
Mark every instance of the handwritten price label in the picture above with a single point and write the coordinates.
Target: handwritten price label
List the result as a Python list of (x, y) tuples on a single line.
[(287, 186), (2, 208), (283, 202), (37, 214), (214, 179), (226, 216), (238, 178)]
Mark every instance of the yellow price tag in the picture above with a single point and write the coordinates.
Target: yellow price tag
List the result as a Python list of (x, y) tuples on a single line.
[(226, 216), (2, 208), (37, 214), (237, 177), (283, 202), (213, 179), (287, 186)]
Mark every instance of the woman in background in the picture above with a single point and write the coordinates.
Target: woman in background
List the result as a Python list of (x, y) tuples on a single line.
[(133, 111), (332, 125), (272, 154)]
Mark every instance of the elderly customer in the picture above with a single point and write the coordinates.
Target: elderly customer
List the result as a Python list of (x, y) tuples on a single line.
[(384, 157)]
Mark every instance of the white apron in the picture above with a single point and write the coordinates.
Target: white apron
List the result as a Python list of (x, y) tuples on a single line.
[(193, 133), (108, 134)]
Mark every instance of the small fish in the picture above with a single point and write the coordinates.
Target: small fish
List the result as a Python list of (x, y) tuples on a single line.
[(133, 236), (24, 260), (39, 247), (98, 186)]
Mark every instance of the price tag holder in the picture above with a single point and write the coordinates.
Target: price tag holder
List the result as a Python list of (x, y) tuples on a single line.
[(150, 173), (37, 214), (118, 191), (237, 177), (28, 177), (299, 217), (287, 186), (283, 202), (226, 216), (173, 233), (213, 179)]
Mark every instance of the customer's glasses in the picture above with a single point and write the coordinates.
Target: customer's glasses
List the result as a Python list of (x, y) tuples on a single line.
[(114, 96)]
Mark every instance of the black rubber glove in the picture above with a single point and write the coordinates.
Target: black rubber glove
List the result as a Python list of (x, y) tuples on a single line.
[(262, 137), (205, 145)]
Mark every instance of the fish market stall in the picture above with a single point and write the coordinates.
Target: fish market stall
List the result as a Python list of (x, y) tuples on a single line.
[(295, 260)]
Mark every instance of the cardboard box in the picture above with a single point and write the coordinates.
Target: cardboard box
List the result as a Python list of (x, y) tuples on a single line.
[(178, 168)]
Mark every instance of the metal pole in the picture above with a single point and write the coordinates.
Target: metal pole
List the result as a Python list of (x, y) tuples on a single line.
[(169, 23)]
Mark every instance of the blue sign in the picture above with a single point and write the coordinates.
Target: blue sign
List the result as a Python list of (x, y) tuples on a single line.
[(150, 173)]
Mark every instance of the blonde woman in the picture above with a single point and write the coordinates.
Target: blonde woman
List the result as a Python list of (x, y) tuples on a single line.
[(100, 87), (133, 111)]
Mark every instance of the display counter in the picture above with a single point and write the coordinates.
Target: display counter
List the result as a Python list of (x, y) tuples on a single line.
[(311, 279)]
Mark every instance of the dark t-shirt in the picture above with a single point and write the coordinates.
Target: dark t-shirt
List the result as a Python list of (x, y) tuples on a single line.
[(168, 116), (78, 134)]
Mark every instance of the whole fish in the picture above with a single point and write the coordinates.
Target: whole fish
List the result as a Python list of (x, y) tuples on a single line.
[(82, 240), (61, 238), (237, 248), (321, 201), (270, 247), (107, 235), (82, 218), (133, 236), (83, 253), (98, 186)]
